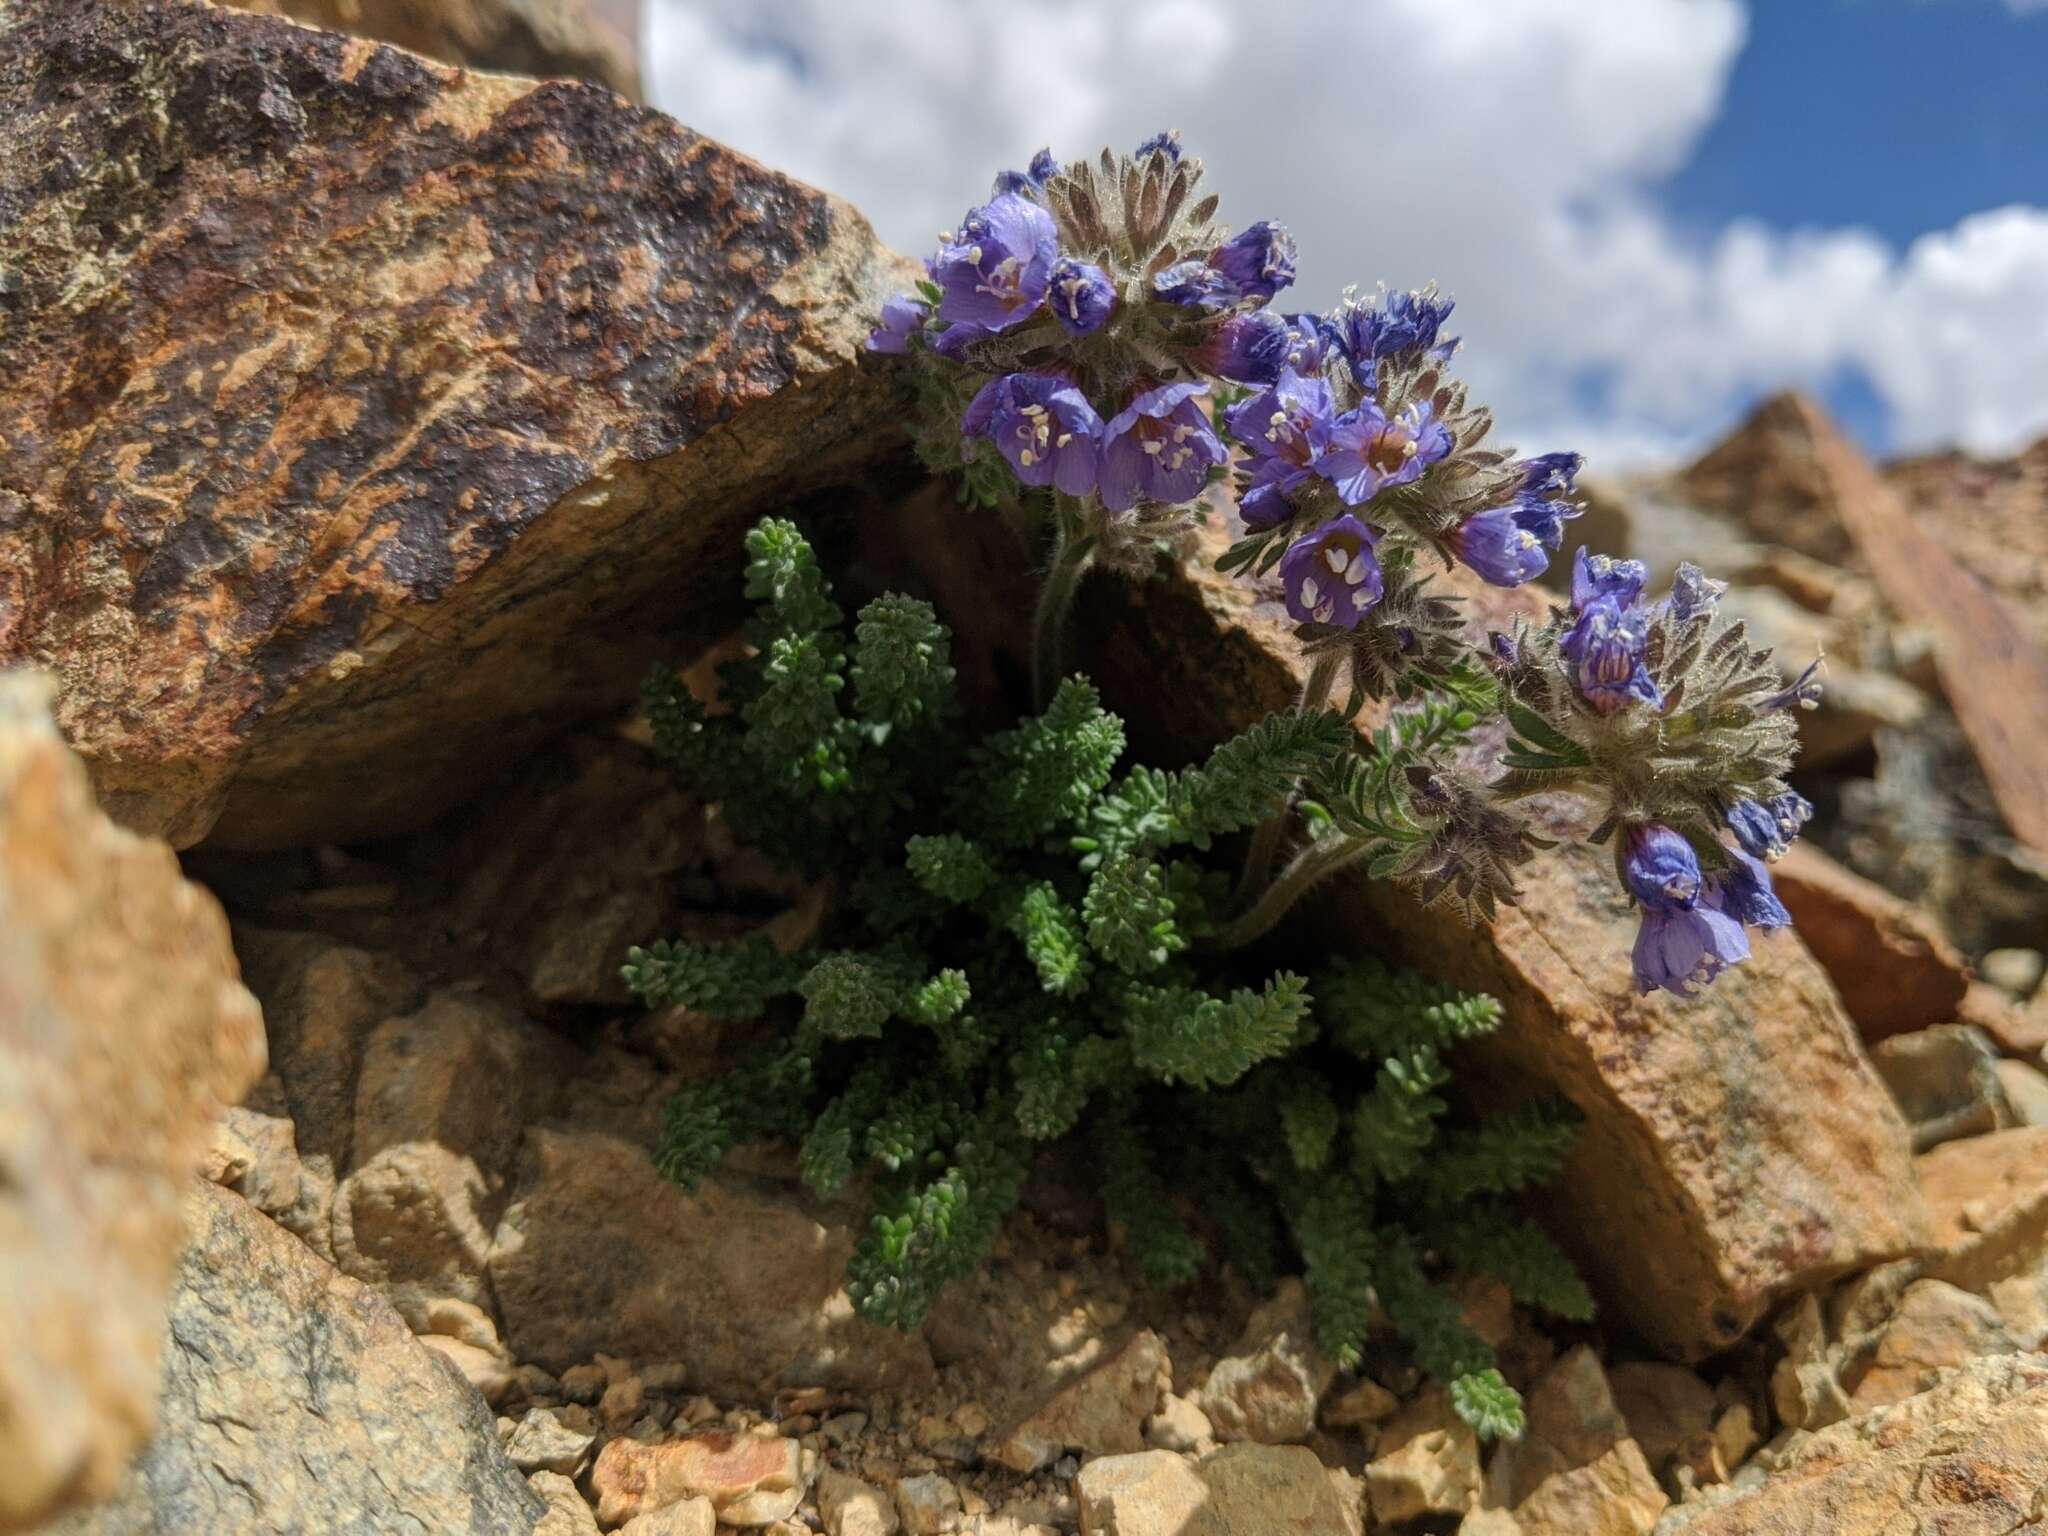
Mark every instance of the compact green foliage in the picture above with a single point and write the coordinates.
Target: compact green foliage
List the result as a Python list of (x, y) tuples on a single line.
[(1027, 948)]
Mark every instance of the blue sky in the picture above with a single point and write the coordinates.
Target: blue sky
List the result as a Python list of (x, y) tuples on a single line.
[(1651, 211)]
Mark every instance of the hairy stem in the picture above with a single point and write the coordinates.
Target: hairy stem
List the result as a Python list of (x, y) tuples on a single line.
[(1316, 862), (1266, 838), (1070, 558)]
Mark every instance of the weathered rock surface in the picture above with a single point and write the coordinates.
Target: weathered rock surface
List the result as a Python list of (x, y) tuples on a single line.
[(740, 1283), (533, 886), (1992, 515), (368, 419), (1894, 969), (1271, 1384), (124, 1030), (295, 1400), (1765, 476), (1994, 673), (1988, 1197), (1101, 1412), (1239, 1490), (1577, 1471), (1968, 1456), (1739, 1137), (583, 39), (1934, 1328), (1426, 1463), (1945, 1081), (1664, 1406), (747, 1479)]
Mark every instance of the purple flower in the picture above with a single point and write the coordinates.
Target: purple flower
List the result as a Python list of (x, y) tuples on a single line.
[(1756, 828), (1165, 143), (1694, 592), (1247, 349), (1332, 575), (901, 317), (1368, 452), (1043, 169), (1159, 447), (1311, 339), (1542, 505), (1080, 296), (1283, 429), (1745, 893), (1043, 425), (1500, 549), (952, 341), (1397, 324), (1803, 694), (1793, 811), (1659, 867), (1504, 649), (994, 272), (1259, 262), (1597, 576), (1194, 285), (1678, 948), (1605, 648)]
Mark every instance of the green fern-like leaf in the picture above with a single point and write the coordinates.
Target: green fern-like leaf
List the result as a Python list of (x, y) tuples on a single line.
[(1130, 916), (902, 667), (1509, 1152), (1052, 935), (723, 981), (1484, 1400), (950, 867), (1393, 1124), (1373, 1011), (1044, 773), (1168, 1254), (850, 997), (1331, 1217), (1180, 1035), (1515, 1251)]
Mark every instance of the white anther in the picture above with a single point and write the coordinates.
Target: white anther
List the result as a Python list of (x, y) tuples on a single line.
[(1064, 439), (1027, 458), (1311, 594), (1336, 558)]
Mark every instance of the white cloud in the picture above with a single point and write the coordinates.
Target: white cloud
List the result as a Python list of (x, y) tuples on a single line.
[(1507, 148)]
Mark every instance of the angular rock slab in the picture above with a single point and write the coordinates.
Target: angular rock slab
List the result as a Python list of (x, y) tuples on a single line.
[(1969, 1455), (123, 1030), (295, 1400), (1740, 1138), (367, 418)]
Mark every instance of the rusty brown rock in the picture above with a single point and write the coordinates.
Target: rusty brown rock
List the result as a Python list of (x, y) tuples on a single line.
[(1765, 476), (1889, 960), (1934, 1328), (124, 1030), (1576, 1471), (1101, 1412), (367, 419), (1992, 515), (742, 1475), (1968, 1456), (1993, 671), (1988, 1200), (744, 1278), (592, 40), (1739, 1137)]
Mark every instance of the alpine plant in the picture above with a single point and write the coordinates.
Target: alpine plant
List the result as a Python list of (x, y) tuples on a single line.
[(1024, 948), (1101, 359)]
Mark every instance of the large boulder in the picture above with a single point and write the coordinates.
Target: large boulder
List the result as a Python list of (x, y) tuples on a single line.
[(123, 1031), (295, 1400), (583, 39), (368, 418), (1739, 1138), (1968, 1455)]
